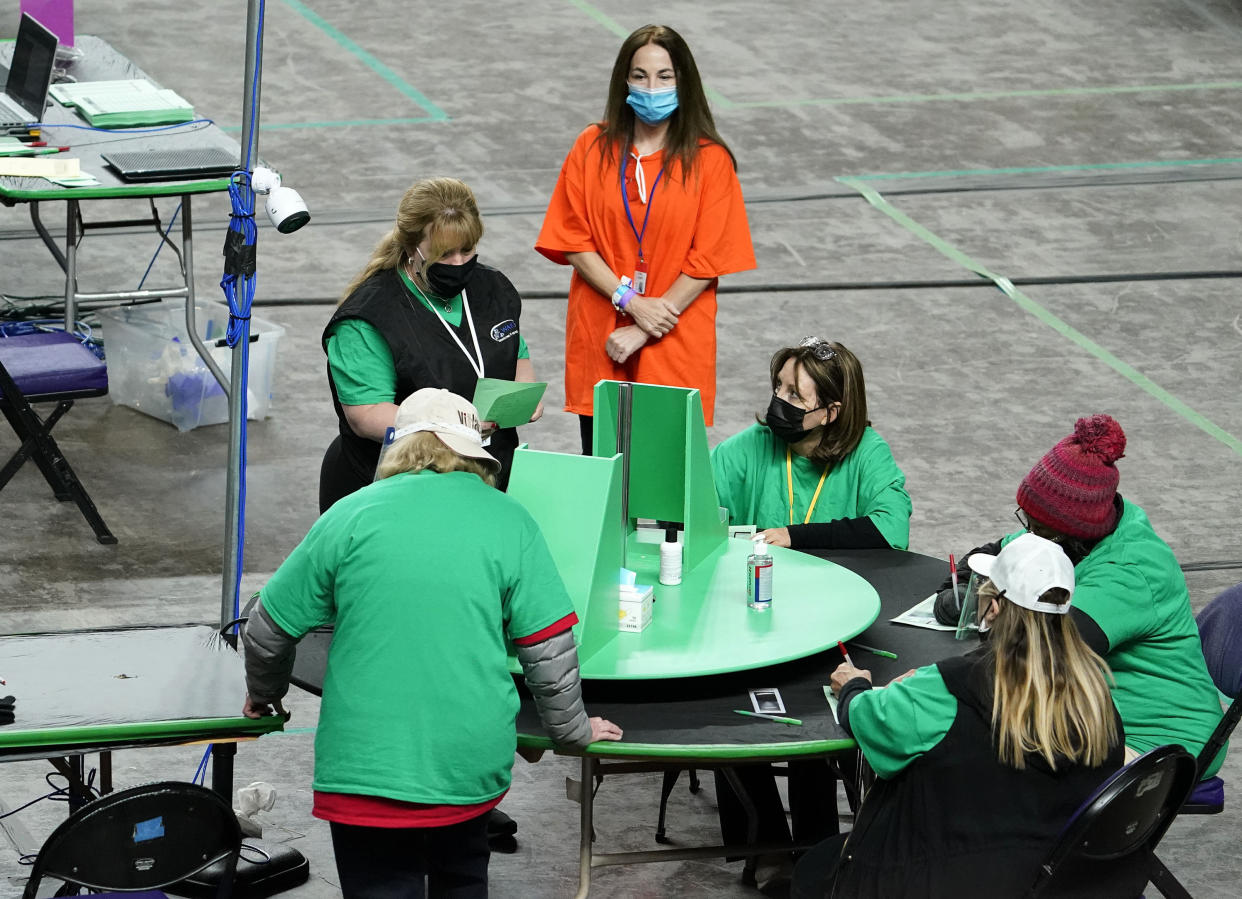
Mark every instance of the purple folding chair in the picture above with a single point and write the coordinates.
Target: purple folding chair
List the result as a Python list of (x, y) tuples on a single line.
[(49, 367)]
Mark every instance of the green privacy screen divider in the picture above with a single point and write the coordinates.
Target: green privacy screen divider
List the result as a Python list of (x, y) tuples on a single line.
[(576, 500), (670, 468)]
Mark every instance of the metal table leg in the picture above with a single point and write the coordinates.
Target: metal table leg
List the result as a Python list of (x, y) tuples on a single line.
[(586, 827), (73, 216)]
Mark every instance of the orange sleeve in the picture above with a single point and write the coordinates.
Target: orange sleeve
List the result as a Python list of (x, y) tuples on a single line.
[(565, 228), (721, 233)]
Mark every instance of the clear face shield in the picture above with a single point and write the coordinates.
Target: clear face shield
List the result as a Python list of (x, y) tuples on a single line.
[(970, 622), (389, 437)]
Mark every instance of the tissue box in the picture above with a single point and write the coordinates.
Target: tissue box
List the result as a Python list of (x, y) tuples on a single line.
[(634, 609)]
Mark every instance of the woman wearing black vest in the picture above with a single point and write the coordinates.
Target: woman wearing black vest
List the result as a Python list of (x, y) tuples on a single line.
[(422, 313), (981, 760)]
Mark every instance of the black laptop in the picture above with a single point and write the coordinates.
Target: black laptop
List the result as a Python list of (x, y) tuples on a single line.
[(172, 165), (25, 89)]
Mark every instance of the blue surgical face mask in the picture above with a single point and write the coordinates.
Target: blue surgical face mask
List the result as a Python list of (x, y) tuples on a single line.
[(652, 106)]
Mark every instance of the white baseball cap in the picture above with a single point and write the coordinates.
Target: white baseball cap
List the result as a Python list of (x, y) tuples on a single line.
[(1026, 569), (453, 419)]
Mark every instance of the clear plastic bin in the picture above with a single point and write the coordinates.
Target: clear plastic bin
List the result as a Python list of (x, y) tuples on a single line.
[(154, 368)]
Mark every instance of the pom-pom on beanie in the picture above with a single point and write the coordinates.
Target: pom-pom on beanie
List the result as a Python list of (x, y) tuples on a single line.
[(1071, 489)]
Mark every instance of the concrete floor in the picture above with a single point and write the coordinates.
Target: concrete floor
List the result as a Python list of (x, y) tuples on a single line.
[(1059, 141)]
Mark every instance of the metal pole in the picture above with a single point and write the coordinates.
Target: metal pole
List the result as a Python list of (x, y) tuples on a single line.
[(233, 508)]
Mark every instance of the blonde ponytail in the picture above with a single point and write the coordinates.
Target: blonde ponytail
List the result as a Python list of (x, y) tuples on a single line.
[(1051, 693)]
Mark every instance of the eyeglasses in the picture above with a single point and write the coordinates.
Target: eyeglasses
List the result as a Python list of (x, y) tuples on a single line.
[(1023, 519), (819, 348)]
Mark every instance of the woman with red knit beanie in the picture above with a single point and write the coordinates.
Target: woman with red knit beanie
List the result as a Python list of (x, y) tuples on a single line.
[(1131, 604)]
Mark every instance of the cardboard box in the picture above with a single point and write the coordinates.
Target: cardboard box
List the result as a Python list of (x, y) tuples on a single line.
[(634, 608)]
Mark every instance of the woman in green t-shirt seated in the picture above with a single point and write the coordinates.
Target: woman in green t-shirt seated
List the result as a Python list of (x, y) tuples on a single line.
[(812, 474), (423, 312), (1132, 606)]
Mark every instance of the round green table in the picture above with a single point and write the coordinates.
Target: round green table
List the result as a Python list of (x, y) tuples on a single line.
[(704, 626)]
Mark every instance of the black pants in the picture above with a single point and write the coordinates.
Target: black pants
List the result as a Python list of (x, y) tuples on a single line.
[(817, 869), (812, 803), (412, 862), (586, 423)]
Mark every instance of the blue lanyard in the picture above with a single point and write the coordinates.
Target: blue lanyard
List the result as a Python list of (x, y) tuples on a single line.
[(625, 201)]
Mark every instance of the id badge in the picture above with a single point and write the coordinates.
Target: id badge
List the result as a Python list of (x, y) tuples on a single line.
[(640, 277)]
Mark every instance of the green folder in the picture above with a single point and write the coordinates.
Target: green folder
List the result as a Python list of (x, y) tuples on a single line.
[(508, 403), (123, 103)]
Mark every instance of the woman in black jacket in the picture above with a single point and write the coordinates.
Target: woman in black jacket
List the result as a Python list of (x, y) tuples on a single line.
[(981, 760)]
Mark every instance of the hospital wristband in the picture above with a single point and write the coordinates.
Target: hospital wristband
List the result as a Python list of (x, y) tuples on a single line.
[(622, 295)]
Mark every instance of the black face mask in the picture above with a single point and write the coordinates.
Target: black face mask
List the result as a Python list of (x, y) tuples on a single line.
[(785, 420), (447, 281)]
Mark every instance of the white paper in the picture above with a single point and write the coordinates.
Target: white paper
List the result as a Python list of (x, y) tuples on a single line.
[(924, 615)]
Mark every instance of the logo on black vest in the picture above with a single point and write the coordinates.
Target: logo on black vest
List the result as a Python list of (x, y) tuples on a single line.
[(504, 330)]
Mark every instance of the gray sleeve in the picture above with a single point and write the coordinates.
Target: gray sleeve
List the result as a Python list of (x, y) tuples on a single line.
[(551, 669), (269, 656)]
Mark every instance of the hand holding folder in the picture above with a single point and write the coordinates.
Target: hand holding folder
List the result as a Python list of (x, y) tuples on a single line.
[(508, 403)]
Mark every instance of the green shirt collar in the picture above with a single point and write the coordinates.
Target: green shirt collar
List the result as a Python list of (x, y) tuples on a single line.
[(451, 311)]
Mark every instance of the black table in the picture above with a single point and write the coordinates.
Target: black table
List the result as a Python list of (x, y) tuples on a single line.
[(690, 722)]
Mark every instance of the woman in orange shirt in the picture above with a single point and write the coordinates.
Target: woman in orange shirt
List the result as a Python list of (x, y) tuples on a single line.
[(649, 212)]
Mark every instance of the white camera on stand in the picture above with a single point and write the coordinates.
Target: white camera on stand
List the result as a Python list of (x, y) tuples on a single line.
[(284, 206)]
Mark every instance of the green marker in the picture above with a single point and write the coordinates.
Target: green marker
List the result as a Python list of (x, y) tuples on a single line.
[(871, 649), (777, 718)]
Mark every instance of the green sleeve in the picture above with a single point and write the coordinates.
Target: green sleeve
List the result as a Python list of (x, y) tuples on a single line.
[(897, 724), (536, 597), (882, 493), (300, 595), (523, 349), (361, 364), (1118, 598), (730, 462)]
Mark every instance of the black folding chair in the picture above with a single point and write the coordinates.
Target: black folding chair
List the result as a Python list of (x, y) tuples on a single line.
[(1107, 848), (140, 839), (49, 367)]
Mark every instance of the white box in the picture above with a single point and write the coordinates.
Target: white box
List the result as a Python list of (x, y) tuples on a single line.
[(635, 607), (154, 368)]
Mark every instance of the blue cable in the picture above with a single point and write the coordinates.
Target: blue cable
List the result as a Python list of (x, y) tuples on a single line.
[(200, 775), (172, 221), (41, 125)]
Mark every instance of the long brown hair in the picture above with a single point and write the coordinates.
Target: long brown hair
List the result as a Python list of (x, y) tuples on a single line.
[(442, 208), (1050, 691), (691, 123), (838, 379)]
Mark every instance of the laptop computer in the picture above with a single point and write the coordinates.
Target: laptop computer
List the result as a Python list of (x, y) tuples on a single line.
[(172, 165), (25, 89)]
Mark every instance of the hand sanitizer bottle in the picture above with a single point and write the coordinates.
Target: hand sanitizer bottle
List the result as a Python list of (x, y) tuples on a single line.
[(759, 576)]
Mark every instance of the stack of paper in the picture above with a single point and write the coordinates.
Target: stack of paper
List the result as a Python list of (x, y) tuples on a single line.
[(123, 104)]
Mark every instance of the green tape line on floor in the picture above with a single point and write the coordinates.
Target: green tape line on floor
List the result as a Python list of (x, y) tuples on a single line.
[(1006, 287), (1040, 170), (972, 96), (436, 113)]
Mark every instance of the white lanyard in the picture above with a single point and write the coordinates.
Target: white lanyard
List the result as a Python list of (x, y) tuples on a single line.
[(478, 367)]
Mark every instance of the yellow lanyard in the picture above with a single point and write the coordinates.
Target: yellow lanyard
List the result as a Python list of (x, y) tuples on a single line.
[(789, 480)]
